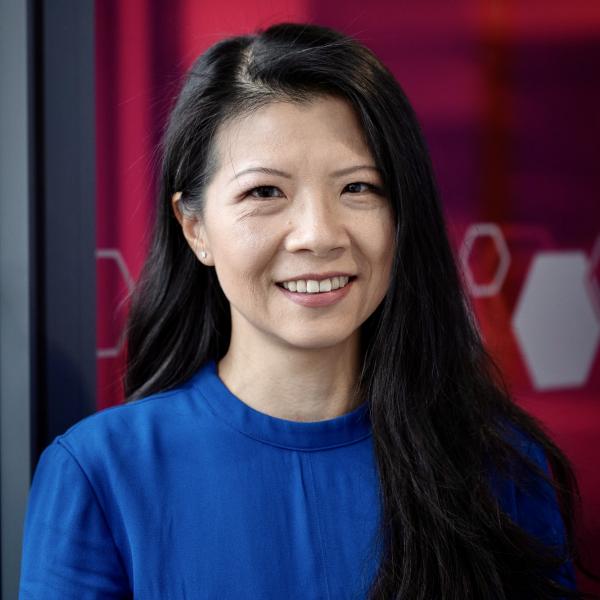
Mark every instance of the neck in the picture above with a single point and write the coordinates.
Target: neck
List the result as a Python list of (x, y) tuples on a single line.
[(294, 383)]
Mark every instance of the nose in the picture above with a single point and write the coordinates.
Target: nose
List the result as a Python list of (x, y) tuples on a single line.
[(317, 225)]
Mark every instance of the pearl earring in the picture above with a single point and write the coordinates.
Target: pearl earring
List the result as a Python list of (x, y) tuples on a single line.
[(203, 254)]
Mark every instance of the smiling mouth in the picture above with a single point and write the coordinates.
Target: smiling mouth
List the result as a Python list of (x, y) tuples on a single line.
[(309, 287)]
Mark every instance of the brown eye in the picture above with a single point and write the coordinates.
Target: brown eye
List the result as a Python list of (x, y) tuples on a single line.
[(262, 191), (355, 187)]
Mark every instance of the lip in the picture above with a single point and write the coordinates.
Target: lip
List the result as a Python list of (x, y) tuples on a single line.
[(318, 299), (313, 276)]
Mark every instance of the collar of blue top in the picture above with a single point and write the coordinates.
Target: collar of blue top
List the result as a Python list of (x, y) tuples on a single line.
[(313, 435)]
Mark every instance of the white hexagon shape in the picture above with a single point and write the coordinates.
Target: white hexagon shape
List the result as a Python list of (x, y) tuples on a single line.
[(557, 320), (594, 262)]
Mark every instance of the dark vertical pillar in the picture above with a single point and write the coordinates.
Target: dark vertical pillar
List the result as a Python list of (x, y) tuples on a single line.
[(65, 211), (47, 243)]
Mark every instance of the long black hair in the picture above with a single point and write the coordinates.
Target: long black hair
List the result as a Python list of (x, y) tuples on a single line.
[(441, 412)]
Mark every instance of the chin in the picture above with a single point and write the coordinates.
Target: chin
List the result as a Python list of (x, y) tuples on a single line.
[(311, 342)]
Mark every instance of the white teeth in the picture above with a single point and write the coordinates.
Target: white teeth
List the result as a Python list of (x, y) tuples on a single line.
[(325, 285), (311, 286)]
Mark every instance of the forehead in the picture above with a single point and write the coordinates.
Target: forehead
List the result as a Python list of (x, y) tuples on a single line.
[(324, 131)]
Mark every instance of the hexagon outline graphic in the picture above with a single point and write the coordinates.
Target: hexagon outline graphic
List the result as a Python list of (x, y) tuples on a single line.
[(492, 230), (114, 254)]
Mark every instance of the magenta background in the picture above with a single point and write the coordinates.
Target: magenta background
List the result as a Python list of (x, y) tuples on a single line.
[(508, 96)]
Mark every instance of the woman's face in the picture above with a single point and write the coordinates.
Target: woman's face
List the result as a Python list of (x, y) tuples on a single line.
[(317, 211)]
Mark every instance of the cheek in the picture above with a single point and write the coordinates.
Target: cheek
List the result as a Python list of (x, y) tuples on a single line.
[(242, 253), (378, 238)]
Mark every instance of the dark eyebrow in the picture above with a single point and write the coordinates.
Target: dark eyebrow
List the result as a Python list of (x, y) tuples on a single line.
[(269, 171)]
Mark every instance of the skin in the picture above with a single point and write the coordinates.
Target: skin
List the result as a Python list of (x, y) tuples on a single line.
[(285, 360)]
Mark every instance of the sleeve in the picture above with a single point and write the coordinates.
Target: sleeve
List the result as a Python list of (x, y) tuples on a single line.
[(68, 549), (539, 514)]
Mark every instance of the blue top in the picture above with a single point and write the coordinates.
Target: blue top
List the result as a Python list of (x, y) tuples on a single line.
[(193, 494)]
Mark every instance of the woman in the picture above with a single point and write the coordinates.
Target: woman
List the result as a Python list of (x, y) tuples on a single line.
[(311, 412)]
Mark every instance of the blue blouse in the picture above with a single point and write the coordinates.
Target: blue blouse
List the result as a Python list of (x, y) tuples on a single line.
[(193, 494)]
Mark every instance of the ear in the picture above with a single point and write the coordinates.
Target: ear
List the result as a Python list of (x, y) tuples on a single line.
[(193, 230)]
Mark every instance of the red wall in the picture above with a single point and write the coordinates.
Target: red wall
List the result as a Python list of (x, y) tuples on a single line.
[(508, 97)]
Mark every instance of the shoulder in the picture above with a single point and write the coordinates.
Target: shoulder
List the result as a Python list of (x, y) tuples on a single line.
[(536, 508), (536, 499), (535, 464), (527, 496), (522, 489), (129, 429), (521, 439)]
